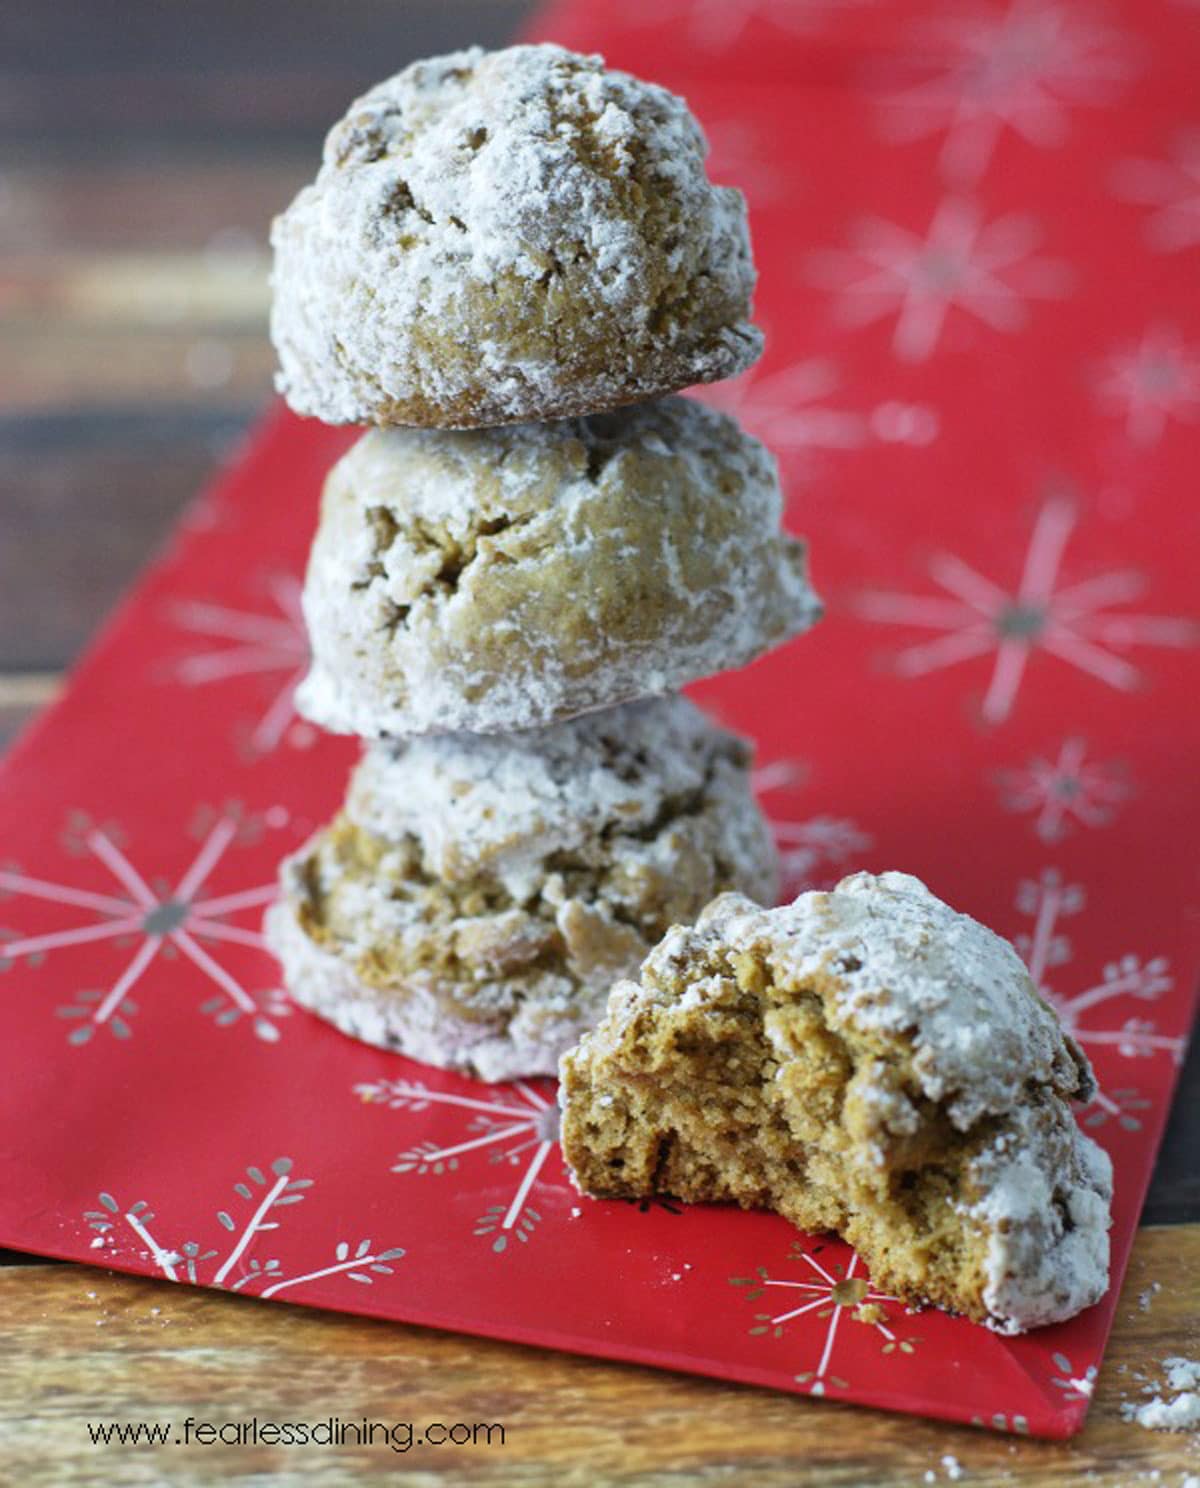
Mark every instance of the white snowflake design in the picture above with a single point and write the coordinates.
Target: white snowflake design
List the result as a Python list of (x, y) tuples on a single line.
[(984, 269), (790, 412), (248, 643), (1171, 188), (1018, 1425), (1068, 790), (1075, 1385), (787, 409), (162, 919), (1074, 623), (516, 1125), (1020, 67), (828, 843), (780, 774), (1048, 900), (806, 847), (828, 1293), (1124, 1106), (716, 24), (1151, 383), (264, 1193), (738, 155)]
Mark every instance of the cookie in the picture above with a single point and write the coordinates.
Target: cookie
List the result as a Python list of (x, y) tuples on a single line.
[(495, 579), (509, 236), (867, 1062), (478, 896)]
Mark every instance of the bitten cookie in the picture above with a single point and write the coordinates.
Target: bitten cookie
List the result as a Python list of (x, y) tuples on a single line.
[(478, 896), (865, 1061), (499, 579), (509, 236)]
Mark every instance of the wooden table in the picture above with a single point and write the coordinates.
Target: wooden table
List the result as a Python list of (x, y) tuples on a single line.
[(145, 147)]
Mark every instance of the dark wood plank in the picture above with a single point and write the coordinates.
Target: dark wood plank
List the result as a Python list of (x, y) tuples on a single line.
[(76, 37), (131, 68), (85, 499), (1174, 1196)]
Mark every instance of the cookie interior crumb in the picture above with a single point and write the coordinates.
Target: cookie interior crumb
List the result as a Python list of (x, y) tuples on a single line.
[(732, 1074)]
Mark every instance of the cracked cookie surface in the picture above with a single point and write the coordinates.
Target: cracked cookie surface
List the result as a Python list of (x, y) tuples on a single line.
[(864, 1061), (478, 896), (499, 579), (509, 236)]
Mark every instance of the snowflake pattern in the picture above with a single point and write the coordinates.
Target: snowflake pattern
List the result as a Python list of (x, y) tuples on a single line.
[(1019, 67), (789, 410), (163, 921), (263, 1195), (740, 156), (1065, 791), (714, 25), (828, 1293), (1171, 188), (1048, 900), (1150, 384), (814, 852), (983, 269), (1124, 1106), (1073, 623), (1075, 1385), (780, 774), (817, 852), (1018, 1425), (248, 643), (518, 1123)]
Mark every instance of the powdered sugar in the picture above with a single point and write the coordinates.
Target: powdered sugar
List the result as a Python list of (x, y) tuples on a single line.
[(423, 1025), (935, 1006), (1180, 1413), (908, 965), (502, 579), (505, 804), (477, 938), (1046, 1213), (552, 218)]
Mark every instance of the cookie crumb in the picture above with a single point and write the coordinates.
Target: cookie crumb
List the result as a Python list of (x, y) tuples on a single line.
[(869, 1312), (1145, 1298)]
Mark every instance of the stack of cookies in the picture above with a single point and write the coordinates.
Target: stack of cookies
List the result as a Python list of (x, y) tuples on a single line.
[(508, 264)]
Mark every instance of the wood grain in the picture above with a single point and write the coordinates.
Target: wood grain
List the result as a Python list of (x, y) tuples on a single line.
[(79, 1345)]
